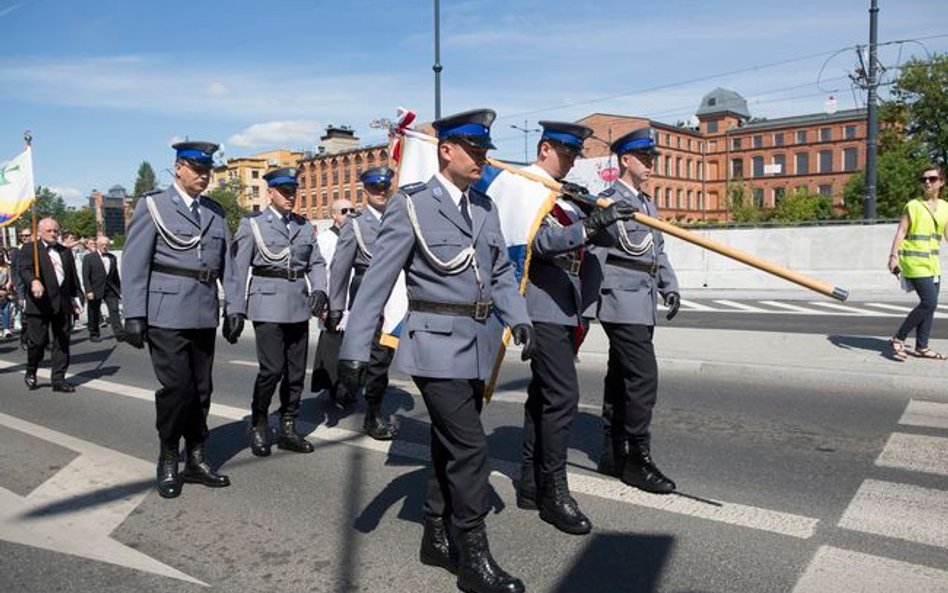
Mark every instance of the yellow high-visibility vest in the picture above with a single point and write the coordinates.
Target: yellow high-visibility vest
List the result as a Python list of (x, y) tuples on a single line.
[(918, 252)]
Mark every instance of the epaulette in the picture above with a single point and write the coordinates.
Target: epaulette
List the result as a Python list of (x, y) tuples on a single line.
[(152, 192), (253, 214), (213, 205), (413, 188), (355, 214), (608, 192), (299, 218)]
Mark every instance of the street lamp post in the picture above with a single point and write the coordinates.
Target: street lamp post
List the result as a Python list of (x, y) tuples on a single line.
[(526, 134), (437, 65)]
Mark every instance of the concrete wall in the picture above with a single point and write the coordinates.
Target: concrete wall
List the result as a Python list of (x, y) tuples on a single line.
[(853, 257)]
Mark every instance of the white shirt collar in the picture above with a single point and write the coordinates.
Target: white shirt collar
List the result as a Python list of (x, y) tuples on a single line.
[(375, 213), (634, 191), (184, 196), (453, 190), (277, 213)]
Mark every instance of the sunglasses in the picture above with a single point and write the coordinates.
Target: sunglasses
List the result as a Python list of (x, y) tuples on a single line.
[(377, 187), (931, 179), (344, 210)]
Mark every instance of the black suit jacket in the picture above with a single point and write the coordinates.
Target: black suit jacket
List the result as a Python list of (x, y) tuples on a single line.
[(56, 297), (95, 279)]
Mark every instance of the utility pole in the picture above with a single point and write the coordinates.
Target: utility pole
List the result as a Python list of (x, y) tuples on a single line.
[(526, 134), (437, 65), (872, 141)]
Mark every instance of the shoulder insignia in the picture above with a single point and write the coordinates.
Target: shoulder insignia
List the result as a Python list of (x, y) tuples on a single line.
[(213, 205), (253, 214), (152, 192), (413, 188), (608, 192)]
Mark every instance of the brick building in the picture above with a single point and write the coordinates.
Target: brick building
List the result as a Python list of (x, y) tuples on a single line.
[(768, 157), (250, 171), (110, 209)]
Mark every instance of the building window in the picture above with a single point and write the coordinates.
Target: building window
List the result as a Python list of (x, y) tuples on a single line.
[(678, 141), (324, 199), (347, 194), (850, 133), (678, 167), (802, 163), (757, 166), (658, 196), (346, 176), (826, 161), (801, 137), (324, 179), (779, 194), (781, 161), (335, 177), (735, 143), (850, 160), (689, 143), (254, 174), (678, 199), (701, 201), (826, 190), (688, 169), (699, 170), (758, 196), (712, 127), (255, 191), (826, 134), (668, 197), (688, 202), (668, 166), (737, 168), (255, 208), (758, 141), (778, 139)]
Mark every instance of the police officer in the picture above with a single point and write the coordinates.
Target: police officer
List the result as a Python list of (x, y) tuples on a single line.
[(354, 252), (447, 237), (555, 293), (276, 248), (176, 251), (636, 270)]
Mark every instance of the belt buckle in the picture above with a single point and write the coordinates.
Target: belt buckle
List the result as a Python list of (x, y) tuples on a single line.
[(481, 310), (204, 275), (292, 274), (653, 269), (574, 265)]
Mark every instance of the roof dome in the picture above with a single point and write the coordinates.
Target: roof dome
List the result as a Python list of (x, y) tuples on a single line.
[(723, 101)]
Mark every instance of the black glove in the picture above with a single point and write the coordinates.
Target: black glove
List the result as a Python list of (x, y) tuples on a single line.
[(523, 336), (332, 320), (600, 218), (232, 327), (136, 332), (573, 189), (317, 302), (351, 374), (673, 300)]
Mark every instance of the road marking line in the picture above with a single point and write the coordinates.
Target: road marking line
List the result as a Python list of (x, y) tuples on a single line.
[(741, 306), (851, 310), (791, 525), (898, 308), (925, 413), (843, 571), (694, 306), (915, 453), (795, 308), (901, 511)]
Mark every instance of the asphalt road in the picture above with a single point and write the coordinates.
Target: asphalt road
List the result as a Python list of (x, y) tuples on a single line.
[(777, 484)]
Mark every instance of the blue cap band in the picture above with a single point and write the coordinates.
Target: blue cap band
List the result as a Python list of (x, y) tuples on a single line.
[(638, 143), (464, 130), (195, 155), (563, 137), (283, 180), (376, 178)]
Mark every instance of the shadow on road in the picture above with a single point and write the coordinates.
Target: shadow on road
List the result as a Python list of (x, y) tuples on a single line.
[(878, 345), (613, 562), (99, 497)]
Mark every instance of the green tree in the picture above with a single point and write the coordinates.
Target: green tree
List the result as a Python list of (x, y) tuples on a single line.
[(919, 104), (81, 222), (228, 196), (801, 205), (899, 164), (741, 204), (48, 204), (145, 182)]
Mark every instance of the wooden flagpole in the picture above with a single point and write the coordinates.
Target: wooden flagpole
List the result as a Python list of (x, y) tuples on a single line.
[(28, 140)]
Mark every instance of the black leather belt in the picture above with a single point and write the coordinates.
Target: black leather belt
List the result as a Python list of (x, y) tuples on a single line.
[(285, 273), (202, 275), (479, 310), (628, 264), (569, 265)]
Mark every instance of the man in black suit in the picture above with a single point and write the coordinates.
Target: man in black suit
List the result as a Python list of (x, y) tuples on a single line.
[(100, 278), (52, 298)]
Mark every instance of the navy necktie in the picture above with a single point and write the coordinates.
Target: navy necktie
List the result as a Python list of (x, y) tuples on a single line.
[(195, 212), (465, 211)]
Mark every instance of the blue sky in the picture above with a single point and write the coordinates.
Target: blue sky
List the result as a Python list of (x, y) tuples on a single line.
[(106, 84)]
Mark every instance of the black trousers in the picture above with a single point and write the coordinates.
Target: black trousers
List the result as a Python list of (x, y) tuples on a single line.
[(38, 328), (631, 385), (282, 349), (182, 359), (552, 400), (376, 375), (458, 477), (326, 362), (94, 318), (326, 376)]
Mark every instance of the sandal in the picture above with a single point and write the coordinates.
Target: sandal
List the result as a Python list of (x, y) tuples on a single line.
[(929, 354), (898, 349)]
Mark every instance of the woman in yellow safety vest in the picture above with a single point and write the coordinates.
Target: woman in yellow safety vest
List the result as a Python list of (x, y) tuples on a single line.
[(914, 254)]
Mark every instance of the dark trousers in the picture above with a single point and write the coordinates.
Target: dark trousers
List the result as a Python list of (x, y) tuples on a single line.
[(325, 362), (376, 376), (552, 400), (458, 477), (38, 328), (183, 360), (921, 318), (631, 384), (282, 349), (94, 317)]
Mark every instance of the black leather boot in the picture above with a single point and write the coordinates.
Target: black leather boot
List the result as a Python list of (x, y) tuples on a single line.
[(198, 471), (260, 436), (527, 488), (640, 471), (168, 483), (613, 457), (375, 426), (561, 510), (437, 549), (477, 570), (290, 439), (30, 380)]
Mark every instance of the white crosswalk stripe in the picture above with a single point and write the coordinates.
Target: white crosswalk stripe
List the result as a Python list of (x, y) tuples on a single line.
[(843, 571), (843, 308), (915, 452), (794, 308), (901, 511), (741, 306), (925, 413)]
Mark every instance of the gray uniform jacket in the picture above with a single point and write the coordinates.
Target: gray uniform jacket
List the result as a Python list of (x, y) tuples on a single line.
[(349, 258), (275, 300), (430, 344), (166, 300), (631, 296)]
